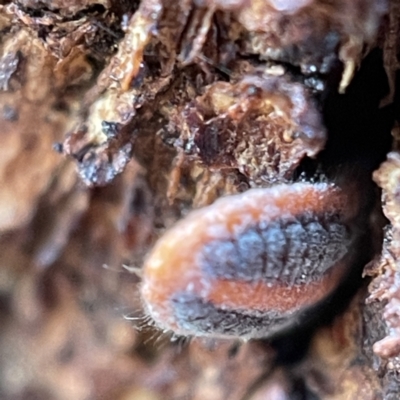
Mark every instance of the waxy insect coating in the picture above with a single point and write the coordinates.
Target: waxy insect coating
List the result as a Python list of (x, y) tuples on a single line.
[(250, 264)]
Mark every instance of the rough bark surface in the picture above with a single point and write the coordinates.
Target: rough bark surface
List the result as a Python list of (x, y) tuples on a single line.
[(117, 118)]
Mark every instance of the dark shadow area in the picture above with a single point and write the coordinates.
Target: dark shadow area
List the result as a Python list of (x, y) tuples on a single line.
[(359, 137)]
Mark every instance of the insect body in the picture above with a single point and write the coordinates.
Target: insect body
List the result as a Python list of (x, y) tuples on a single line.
[(251, 264)]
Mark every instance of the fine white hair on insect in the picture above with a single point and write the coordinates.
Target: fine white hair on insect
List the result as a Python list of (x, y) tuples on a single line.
[(133, 269)]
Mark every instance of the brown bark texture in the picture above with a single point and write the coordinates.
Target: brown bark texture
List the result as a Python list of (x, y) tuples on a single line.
[(118, 118)]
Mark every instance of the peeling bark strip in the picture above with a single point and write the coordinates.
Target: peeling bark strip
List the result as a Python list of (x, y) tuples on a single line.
[(385, 288)]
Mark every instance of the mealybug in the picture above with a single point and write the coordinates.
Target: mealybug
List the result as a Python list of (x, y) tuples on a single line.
[(251, 264)]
